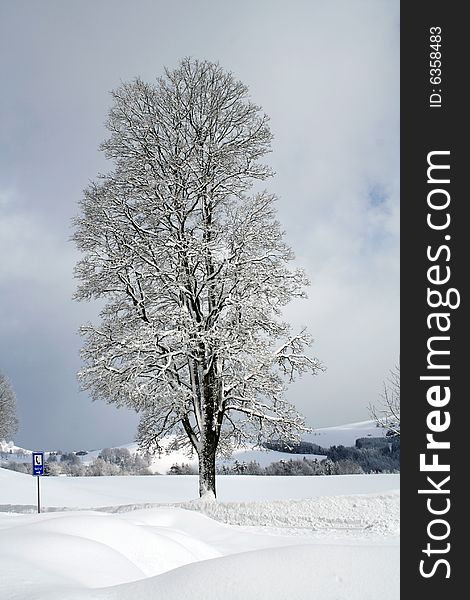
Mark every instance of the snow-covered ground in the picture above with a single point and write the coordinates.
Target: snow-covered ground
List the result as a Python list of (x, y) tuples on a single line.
[(145, 538), (94, 492), (344, 435), (139, 538)]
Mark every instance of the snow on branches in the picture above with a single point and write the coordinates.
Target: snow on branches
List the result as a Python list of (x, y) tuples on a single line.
[(8, 420), (192, 265), (387, 412)]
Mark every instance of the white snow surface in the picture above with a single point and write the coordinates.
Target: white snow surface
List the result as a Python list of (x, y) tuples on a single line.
[(344, 435), (94, 492), (139, 538), (10, 448)]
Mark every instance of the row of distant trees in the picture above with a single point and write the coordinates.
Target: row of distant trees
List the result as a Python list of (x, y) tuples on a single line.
[(110, 461), (368, 456), (340, 460)]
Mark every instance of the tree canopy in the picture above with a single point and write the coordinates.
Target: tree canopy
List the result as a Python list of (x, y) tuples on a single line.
[(183, 245)]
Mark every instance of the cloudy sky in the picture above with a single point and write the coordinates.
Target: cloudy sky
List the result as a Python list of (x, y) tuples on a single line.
[(327, 73)]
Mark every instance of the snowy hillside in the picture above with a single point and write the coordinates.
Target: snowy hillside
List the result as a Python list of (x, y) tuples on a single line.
[(161, 463), (344, 435), (9, 448)]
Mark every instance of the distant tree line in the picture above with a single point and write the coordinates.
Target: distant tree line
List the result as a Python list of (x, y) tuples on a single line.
[(295, 448), (371, 455), (20, 467), (183, 469), (110, 461)]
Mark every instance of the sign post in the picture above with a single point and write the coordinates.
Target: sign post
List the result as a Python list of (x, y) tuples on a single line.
[(38, 470)]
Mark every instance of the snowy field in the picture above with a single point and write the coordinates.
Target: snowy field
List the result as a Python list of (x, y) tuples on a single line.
[(139, 538)]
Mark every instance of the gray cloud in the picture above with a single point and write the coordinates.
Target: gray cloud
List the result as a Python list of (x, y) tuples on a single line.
[(326, 73)]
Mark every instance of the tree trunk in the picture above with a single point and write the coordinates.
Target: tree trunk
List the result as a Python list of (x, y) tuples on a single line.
[(209, 437), (207, 469)]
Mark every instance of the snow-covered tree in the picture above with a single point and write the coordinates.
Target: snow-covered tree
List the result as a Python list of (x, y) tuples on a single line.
[(386, 413), (100, 467), (184, 246), (8, 420)]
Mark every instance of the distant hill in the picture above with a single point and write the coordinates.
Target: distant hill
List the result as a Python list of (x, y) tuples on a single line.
[(10, 448), (163, 461), (345, 435)]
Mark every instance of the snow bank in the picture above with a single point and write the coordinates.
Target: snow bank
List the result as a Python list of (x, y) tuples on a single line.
[(376, 513), (59, 566), (90, 549), (173, 553), (297, 573), (345, 544)]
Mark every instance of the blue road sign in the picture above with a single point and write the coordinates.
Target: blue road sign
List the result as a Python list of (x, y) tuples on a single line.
[(38, 463)]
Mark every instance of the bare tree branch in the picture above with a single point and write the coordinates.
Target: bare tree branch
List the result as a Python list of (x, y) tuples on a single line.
[(387, 412)]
